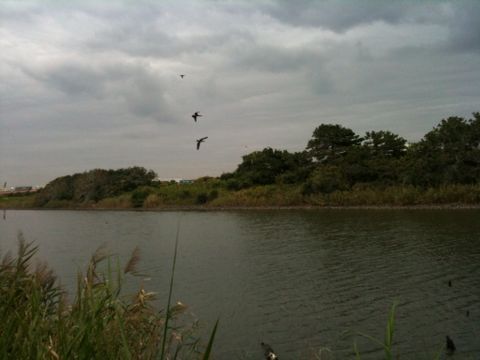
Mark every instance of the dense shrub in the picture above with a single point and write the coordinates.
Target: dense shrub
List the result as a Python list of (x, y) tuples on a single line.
[(139, 196), (233, 184), (201, 198), (185, 194), (326, 179), (94, 185), (213, 195)]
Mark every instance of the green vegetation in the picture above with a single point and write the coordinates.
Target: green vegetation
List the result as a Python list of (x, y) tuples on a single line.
[(37, 322), (18, 201), (337, 168), (93, 186), (387, 344)]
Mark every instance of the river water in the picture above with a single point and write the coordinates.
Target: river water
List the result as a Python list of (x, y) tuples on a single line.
[(304, 281)]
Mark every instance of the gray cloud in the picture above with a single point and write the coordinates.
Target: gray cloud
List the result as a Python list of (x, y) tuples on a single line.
[(465, 27), (340, 16), (138, 86), (460, 17), (71, 79), (87, 85)]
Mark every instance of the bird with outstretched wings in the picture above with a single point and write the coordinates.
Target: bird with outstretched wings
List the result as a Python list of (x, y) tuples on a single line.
[(199, 141), (196, 115)]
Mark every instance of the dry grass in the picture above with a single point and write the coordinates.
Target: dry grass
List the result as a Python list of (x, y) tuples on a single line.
[(38, 323)]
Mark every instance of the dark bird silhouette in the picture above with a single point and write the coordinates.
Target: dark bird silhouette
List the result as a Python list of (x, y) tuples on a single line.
[(199, 141), (468, 313), (194, 116), (450, 345), (449, 283), (182, 75), (268, 352)]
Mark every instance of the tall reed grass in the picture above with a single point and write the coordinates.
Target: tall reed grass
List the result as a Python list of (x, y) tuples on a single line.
[(387, 344), (37, 321)]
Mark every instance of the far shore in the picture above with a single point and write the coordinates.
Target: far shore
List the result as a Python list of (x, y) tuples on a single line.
[(262, 208)]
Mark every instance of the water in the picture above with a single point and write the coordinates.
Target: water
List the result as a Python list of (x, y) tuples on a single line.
[(303, 281)]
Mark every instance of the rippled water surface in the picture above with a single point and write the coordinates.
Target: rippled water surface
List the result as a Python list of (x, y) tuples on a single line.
[(303, 281)]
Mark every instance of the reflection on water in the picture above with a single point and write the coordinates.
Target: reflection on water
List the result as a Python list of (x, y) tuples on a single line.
[(300, 280)]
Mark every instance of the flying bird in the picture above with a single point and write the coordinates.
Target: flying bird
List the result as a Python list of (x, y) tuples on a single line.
[(199, 141), (182, 75), (268, 352), (194, 116)]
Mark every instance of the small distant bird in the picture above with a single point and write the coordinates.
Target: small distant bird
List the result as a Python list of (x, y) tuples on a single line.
[(468, 313), (199, 141), (449, 283), (450, 345), (182, 75), (268, 352), (194, 116)]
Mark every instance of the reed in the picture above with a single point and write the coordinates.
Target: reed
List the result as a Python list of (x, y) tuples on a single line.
[(387, 343), (37, 321)]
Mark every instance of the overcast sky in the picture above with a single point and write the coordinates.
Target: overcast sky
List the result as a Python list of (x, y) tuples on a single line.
[(92, 84)]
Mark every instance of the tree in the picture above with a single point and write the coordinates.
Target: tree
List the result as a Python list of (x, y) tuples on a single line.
[(330, 142), (385, 143), (94, 185), (298, 168), (449, 153), (266, 167)]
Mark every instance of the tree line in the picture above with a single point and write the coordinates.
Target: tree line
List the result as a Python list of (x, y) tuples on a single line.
[(94, 185), (336, 158)]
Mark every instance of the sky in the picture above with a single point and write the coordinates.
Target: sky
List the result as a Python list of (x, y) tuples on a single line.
[(95, 84)]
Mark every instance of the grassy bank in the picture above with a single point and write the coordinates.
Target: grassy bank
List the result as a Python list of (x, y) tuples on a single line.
[(214, 193), (37, 321)]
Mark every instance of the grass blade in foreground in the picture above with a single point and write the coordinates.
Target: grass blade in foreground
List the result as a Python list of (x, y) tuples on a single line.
[(167, 310), (388, 342), (206, 356), (389, 334)]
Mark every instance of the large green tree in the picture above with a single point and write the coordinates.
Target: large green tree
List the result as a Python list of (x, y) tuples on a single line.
[(448, 154), (270, 165), (329, 142), (385, 143)]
